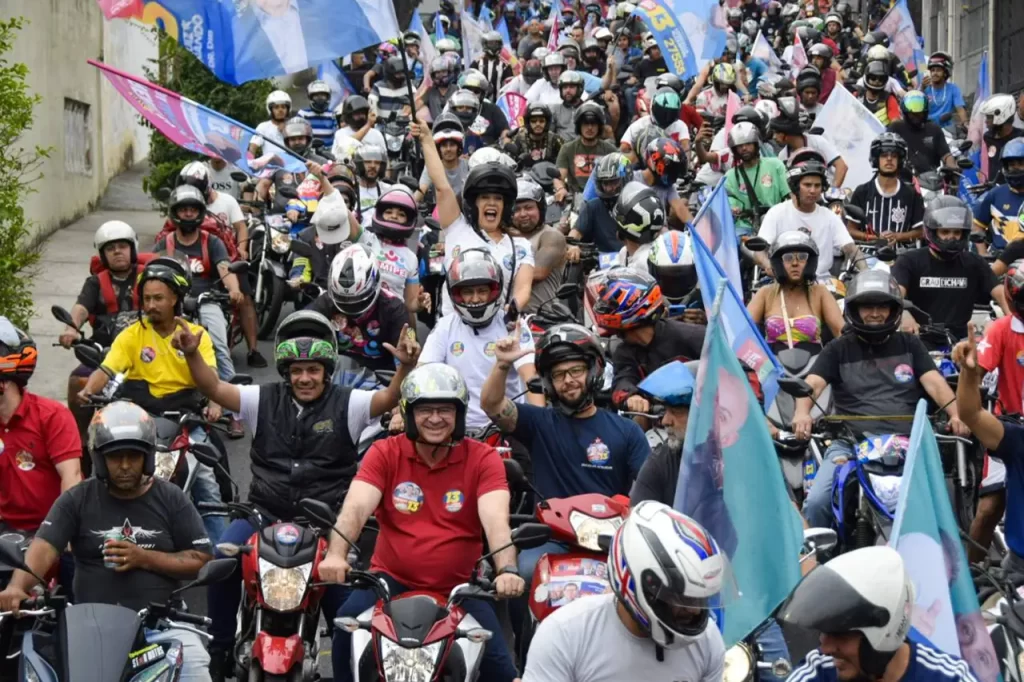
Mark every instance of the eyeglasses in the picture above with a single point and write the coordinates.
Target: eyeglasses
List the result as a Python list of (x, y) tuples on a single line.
[(794, 257), (576, 372), (442, 411)]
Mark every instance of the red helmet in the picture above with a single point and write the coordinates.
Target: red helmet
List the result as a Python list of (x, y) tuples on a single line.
[(666, 160), (623, 298), (17, 354)]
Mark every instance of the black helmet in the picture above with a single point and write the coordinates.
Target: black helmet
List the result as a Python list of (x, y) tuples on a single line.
[(182, 196), (794, 241), (305, 336), (809, 77), (353, 105), (609, 168), (589, 112), (885, 143), (120, 426), (639, 213), (489, 178), (941, 60), (802, 163), (876, 38), (947, 213), (665, 107), (394, 70), (788, 121), (749, 114), (538, 110), (878, 287), (171, 272), (565, 342), (876, 76)]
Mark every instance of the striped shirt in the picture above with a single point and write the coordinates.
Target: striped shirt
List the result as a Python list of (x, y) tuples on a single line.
[(926, 665), (323, 124)]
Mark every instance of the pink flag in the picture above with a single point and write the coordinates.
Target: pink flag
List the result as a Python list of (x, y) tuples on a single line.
[(121, 9), (513, 105), (553, 38), (731, 107), (798, 57)]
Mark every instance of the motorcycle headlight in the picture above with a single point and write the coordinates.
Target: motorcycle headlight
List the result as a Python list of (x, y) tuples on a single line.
[(283, 588), (395, 144), (281, 242), (166, 463), (588, 529), (738, 664), (408, 665)]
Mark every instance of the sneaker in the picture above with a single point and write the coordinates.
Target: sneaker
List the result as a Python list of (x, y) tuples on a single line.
[(222, 664), (256, 359), (235, 430)]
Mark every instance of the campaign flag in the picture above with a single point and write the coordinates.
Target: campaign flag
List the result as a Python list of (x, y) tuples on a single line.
[(121, 9), (730, 483), (976, 134), (714, 243), (438, 27), (507, 55), (925, 533), (486, 18), (553, 37), (195, 127), (334, 76), (243, 41), (764, 51), (513, 105), (732, 105), (690, 32), (798, 56), (849, 126), (899, 26), (472, 39), (427, 49)]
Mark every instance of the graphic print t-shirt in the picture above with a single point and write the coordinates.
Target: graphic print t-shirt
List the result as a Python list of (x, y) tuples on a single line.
[(579, 160)]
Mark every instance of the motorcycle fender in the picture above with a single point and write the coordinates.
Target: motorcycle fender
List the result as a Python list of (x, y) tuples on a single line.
[(276, 267), (277, 655)]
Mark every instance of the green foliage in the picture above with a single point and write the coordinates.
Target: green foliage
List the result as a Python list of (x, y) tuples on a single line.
[(177, 69), (19, 169)]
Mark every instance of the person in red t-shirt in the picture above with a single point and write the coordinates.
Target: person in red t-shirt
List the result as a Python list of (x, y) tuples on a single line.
[(433, 492), (40, 451)]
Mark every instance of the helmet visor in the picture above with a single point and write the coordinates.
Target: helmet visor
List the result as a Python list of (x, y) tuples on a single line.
[(915, 103), (826, 602)]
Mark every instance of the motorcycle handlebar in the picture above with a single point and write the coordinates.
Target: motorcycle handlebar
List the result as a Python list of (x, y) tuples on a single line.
[(174, 614)]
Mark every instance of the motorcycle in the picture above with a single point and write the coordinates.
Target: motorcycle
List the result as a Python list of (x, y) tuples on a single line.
[(1003, 614), (104, 642), (401, 149), (269, 247), (585, 522)]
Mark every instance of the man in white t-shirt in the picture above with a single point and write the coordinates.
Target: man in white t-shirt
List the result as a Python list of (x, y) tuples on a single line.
[(279, 108), (792, 139), (635, 631), (803, 212), (677, 130), (220, 177)]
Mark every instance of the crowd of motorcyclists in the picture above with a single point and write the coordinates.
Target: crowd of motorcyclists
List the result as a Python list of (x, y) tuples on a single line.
[(475, 297)]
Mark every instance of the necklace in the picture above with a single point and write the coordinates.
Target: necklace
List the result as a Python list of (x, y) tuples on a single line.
[(935, 96)]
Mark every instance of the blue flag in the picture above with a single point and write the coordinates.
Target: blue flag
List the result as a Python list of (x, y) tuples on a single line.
[(744, 337), (717, 229), (332, 74), (502, 28), (690, 32), (904, 41), (241, 41), (486, 17), (730, 483), (925, 533), (438, 28)]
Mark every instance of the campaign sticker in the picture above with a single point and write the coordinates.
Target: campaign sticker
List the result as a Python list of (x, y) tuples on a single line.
[(458, 348), (904, 373), (489, 349), (453, 500), (597, 452), (373, 328), (147, 354), (1020, 361), (287, 534), (25, 461), (407, 497)]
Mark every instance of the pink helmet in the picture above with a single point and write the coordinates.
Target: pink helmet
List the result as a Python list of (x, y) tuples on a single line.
[(386, 50), (394, 230)]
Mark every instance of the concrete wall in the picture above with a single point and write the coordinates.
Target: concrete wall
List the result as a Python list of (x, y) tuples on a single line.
[(61, 35)]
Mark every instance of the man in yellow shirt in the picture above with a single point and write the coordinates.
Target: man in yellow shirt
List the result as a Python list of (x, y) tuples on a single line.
[(157, 377)]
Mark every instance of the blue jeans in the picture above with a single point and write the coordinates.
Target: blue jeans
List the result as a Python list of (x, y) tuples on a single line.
[(195, 661), (206, 489), (818, 504), (224, 597), (773, 647), (528, 558), (211, 316), (496, 666)]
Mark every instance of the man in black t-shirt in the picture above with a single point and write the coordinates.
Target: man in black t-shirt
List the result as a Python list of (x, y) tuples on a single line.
[(363, 339), (874, 370), (892, 208), (653, 63), (944, 279), (925, 139), (134, 537)]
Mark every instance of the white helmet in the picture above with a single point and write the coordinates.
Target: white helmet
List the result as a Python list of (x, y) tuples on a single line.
[(197, 174), (661, 560), (878, 53), (354, 281), (115, 231), (867, 590), (1000, 107), (670, 262), (318, 87), (278, 97), (490, 155)]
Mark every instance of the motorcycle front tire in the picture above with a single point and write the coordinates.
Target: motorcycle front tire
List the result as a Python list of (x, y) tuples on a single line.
[(274, 299)]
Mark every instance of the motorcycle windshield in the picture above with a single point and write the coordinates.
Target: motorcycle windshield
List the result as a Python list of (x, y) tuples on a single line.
[(97, 639)]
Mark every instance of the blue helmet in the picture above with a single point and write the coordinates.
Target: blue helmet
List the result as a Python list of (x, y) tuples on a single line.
[(672, 384), (1014, 150)]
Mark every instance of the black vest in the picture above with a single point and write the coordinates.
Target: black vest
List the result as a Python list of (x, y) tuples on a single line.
[(296, 456)]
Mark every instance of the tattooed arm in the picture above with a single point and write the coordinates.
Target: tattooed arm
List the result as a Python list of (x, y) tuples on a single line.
[(550, 255), (495, 405)]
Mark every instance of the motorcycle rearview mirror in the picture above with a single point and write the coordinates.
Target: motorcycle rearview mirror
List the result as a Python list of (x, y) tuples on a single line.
[(757, 244), (287, 191), (854, 212), (384, 376), (432, 223), (886, 253), (796, 387), (239, 267), (794, 359), (530, 535), (239, 176), (604, 542), (322, 512), (318, 143), (312, 290), (63, 316), (214, 571), (190, 306), (820, 538), (567, 290), (965, 146), (964, 164), (514, 474), (301, 248), (976, 237), (163, 194), (535, 385), (11, 555), (409, 181), (91, 357), (349, 624), (206, 453), (241, 380)]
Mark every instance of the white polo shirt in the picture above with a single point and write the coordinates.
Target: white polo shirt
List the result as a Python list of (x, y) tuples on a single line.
[(471, 351)]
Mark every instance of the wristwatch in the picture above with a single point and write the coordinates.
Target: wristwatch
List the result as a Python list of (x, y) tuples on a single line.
[(510, 569)]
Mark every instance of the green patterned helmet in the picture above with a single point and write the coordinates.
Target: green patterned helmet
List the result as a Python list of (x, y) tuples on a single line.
[(434, 382), (305, 336)]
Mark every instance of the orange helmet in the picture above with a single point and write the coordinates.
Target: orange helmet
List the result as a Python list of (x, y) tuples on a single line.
[(17, 354), (623, 298)]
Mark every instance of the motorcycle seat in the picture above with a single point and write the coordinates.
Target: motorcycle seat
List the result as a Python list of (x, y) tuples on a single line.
[(288, 545), (166, 430)]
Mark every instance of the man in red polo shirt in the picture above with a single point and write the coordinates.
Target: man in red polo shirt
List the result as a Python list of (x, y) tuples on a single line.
[(40, 450), (433, 492)]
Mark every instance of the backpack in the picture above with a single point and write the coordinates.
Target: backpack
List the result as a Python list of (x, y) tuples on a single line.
[(106, 282), (204, 244), (211, 225)]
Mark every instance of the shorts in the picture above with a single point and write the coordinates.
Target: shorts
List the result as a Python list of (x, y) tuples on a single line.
[(993, 476)]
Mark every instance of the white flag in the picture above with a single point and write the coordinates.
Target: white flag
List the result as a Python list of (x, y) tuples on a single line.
[(849, 126)]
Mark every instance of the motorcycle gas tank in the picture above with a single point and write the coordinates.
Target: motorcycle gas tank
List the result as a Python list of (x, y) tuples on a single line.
[(98, 638), (287, 545), (166, 430)]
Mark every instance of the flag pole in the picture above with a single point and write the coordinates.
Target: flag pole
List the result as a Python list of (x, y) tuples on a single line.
[(408, 78)]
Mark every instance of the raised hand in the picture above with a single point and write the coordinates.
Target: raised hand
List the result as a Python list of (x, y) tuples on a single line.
[(965, 353), (408, 350), (184, 339), (508, 350)]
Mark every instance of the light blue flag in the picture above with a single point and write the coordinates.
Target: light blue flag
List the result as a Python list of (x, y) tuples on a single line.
[(502, 28), (718, 230), (341, 88), (925, 533), (486, 17), (690, 32), (743, 335), (438, 28), (730, 482), (898, 24)]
